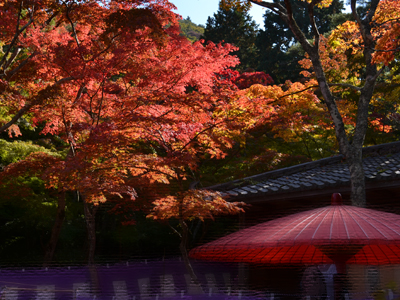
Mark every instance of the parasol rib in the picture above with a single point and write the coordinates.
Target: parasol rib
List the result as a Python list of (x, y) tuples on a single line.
[(296, 221), (345, 224), (319, 225), (371, 225), (383, 224), (356, 223), (298, 224), (305, 227)]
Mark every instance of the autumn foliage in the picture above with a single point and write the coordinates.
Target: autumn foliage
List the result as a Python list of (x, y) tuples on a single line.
[(194, 204), (387, 31), (244, 80), (136, 104)]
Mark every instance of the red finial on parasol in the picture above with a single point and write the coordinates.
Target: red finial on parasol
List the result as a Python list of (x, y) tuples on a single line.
[(336, 199)]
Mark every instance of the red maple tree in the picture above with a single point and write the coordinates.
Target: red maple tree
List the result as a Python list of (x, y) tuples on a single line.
[(136, 103)]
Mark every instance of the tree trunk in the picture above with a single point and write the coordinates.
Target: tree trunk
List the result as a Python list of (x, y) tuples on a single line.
[(350, 147), (90, 213), (352, 151), (94, 280), (183, 249), (357, 179), (55, 233)]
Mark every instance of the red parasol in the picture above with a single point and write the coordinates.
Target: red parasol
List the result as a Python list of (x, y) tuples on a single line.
[(336, 234)]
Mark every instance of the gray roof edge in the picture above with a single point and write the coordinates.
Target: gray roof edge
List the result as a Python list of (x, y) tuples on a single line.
[(276, 173), (382, 149), (376, 150)]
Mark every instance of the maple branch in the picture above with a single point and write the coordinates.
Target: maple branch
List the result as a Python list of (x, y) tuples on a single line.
[(27, 107), (55, 14), (275, 7), (356, 16), (347, 85), (149, 169), (101, 103), (18, 115), (297, 32), (390, 50), (63, 80), (378, 73), (163, 140), (79, 94), (16, 35), (72, 23), (90, 111), (317, 86), (199, 133), (312, 21), (107, 48), (176, 231), (67, 126), (20, 66), (11, 59), (387, 21)]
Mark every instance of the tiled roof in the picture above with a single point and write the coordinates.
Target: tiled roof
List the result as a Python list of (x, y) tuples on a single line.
[(381, 163)]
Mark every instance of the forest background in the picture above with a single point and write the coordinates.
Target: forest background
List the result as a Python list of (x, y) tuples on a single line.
[(72, 166)]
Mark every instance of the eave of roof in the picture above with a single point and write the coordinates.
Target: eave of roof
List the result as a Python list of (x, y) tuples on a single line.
[(381, 167)]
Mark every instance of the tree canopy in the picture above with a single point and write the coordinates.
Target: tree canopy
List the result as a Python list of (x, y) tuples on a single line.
[(135, 103)]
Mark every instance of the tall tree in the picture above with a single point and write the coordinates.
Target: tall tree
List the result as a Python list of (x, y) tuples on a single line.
[(233, 24), (140, 107), (56, 61), (276, 43), (365, 33)]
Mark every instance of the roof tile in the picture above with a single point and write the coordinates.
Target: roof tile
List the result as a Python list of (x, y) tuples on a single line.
[(381, 162)]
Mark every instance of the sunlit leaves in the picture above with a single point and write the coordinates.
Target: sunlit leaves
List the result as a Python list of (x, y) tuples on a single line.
[(11, 152), (387, 31), (194, 204), (341, 54), (298, 111)]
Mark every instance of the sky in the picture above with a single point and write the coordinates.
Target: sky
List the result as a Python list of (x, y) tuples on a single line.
[(200, 10)]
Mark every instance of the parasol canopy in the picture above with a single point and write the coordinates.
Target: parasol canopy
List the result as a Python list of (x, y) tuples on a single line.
[(336, 234)]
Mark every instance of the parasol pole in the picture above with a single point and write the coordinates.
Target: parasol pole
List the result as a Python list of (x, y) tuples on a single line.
[(340, 280)]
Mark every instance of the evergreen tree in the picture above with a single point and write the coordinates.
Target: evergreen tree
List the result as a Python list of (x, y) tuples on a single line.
[(233, 24), (279, 54)]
